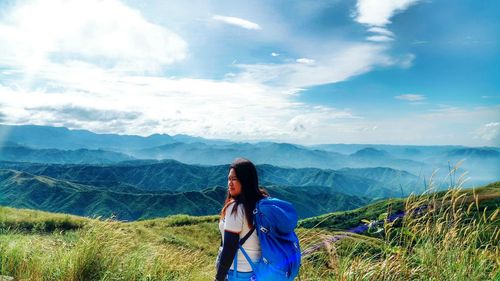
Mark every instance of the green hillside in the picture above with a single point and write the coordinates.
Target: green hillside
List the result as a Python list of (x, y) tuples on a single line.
[(456, 240), (488, 196), (169, 175), (24, 190), (62, 145)]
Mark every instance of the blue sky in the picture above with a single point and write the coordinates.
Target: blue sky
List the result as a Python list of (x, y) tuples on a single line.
[(307, 72)]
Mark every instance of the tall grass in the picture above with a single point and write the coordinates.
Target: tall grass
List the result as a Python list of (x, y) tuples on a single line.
[(102, 251), (445, 237)]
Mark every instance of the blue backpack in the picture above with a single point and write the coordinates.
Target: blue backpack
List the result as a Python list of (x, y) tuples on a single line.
[(275, 221)]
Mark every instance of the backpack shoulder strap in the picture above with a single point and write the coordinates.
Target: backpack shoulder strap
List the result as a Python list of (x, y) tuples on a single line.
[(245, 238), (242, 241)]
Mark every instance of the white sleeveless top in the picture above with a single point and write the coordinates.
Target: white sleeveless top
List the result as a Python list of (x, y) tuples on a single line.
[(237, 223)]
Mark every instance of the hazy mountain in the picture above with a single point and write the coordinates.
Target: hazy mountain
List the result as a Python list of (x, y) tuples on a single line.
[(478, 153), (15, 152), (169, 175), (24, 190), (407, 182), (279, 154), (372, 157), (64, 138), (370, 153), (413, 152), (481, 164)]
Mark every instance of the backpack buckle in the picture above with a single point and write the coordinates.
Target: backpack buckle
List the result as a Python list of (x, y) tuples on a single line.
[(263, 229)]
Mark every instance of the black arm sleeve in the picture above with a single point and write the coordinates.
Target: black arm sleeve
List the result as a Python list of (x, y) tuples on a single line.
[(231, 243)]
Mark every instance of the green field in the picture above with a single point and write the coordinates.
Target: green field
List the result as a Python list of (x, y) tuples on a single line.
[(456, 238)]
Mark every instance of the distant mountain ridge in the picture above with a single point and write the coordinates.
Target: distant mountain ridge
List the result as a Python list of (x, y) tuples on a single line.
[(482, 164), (16, 152), (24, 190), (47, 137), (278, 154), (173, 176), (474, 152), (370, 152)]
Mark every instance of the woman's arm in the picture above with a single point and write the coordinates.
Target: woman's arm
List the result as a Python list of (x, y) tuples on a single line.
[(231, 243)]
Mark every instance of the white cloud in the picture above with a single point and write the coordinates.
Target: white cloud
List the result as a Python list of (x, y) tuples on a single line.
[(381, 31), (489, 132), (407, 61), (379, 12), (52, 81), (102, 85), (107, 33), (333, 66), (381, 34), (443, 127), (492, 125), (305, 61), (379, 38), (145, 105), (410, 97), (237, 22), (234, 110), (376, 14), (275, 54)]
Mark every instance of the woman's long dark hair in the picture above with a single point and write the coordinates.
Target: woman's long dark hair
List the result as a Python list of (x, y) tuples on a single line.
[(250, 192)]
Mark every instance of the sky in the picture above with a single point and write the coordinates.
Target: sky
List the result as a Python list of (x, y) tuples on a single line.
[(419, 72)]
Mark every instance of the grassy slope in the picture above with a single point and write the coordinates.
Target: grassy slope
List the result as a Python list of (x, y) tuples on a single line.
[(39, 246), (174, 248), (489, 199)]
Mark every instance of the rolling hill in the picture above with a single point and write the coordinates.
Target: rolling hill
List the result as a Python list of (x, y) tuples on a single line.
[(24, 190), (169, 175), (488, 201), (15, 152), (481, 164)]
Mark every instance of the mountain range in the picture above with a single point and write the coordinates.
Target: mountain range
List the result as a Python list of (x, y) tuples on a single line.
[(482, 164), (15, 152), (135, 177), (174, 176), (24, 190)]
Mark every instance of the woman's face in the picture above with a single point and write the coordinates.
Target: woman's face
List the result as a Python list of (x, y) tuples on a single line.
[(233, 184)]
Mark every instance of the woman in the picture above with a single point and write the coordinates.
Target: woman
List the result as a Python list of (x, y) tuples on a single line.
[(236, 221)]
